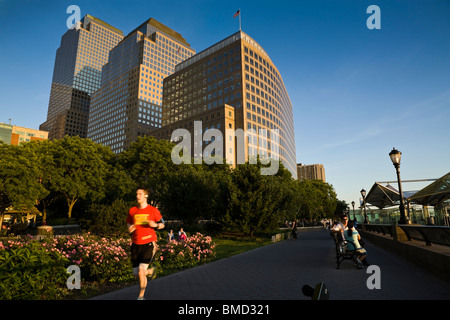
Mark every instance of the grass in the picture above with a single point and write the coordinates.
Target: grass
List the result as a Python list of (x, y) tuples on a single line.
[(229, 247)]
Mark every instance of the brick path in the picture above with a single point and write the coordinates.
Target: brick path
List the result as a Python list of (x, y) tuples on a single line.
[(279, 270)]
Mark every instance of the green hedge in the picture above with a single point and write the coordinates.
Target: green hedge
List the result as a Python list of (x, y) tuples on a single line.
[(29, 271)]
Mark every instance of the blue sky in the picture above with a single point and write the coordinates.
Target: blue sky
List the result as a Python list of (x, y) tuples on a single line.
[(356, 92)]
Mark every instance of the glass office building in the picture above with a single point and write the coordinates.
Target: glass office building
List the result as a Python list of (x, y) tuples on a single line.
[(232, 85), (77, 75), (129, 101)]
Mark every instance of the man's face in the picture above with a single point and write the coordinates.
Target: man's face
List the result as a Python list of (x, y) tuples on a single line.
[(344, 221), (140, 196)]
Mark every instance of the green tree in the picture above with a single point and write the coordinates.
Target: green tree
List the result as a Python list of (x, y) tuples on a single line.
[(341, 207), (44, 165), (190, 194), (118, 184), (109, 219), (316, 199), (80, 168), (327, 199), (148, 163), (20, 173), (255, 200), (221, 180), (292, 202)]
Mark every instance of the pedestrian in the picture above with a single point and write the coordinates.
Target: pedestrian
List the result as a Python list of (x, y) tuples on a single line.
[(181, 235), (142, 220), (170, 236), (337, 231), (294, 229), (353, 237)]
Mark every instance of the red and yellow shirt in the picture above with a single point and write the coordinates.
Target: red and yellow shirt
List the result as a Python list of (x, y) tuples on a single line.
[(143, 233)]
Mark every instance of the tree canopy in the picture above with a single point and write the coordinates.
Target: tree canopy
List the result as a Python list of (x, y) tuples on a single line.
[(75, 169)]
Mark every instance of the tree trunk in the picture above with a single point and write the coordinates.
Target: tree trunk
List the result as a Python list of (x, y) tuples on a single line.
[(1, 219), (44, 213), (71, 203)]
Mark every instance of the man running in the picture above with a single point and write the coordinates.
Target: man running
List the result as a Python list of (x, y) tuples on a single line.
[(142, 220)]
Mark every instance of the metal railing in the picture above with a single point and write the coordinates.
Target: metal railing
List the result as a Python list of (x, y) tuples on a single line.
[(439, 235), (380, 228)]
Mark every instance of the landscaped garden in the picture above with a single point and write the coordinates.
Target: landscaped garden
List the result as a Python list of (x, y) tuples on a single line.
[(38, 269), (76, 181)]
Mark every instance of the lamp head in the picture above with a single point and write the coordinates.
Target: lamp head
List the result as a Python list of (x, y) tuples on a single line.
[(363, 193), (395, 156)]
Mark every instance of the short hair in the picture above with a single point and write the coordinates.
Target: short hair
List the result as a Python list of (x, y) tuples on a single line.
[(146, 191)]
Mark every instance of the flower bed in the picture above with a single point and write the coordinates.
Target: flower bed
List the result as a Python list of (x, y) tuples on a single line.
[(36, 269), (195, 249), (100, 259)]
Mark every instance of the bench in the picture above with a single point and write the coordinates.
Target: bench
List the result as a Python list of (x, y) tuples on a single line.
[(343, 252), (337, 237), (348, 254)]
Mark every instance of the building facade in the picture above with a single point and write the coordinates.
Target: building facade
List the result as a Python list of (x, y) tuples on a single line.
[(80, 57), (231, 86), (311, 172), (14, 135), (129, 101)]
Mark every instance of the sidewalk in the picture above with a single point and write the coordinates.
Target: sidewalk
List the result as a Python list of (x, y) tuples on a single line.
[(279, 270)]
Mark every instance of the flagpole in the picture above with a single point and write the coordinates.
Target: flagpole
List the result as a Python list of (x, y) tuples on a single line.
[(239, 19)]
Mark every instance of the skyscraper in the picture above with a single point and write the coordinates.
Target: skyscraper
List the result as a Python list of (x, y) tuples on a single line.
[(77, 74), (311, 172), (129, 101), (231, 85)]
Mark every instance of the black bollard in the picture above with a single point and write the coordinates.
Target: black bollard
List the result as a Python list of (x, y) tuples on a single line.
[(320, 292)]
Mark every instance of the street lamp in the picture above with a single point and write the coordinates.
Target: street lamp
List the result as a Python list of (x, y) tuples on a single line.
[(396, 156), (363, 193), (353, 205)]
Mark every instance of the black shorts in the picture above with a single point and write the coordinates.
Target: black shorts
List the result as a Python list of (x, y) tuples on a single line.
[(141, 253)]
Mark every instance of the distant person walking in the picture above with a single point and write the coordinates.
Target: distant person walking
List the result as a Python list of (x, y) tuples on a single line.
[(294, 229), (142, 220)]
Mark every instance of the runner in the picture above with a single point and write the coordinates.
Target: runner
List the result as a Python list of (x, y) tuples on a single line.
[(142, 220)]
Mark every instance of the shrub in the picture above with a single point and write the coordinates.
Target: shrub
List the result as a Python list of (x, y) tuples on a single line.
[(109, 220), (30, 271), (177, 255), (100, 259), (202, 247)]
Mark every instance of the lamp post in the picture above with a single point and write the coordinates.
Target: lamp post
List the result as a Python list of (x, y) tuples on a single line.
[(396, 156), (363, 194), (353, 205)]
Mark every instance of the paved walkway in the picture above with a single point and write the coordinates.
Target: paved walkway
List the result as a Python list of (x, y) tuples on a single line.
[(278, 272)]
